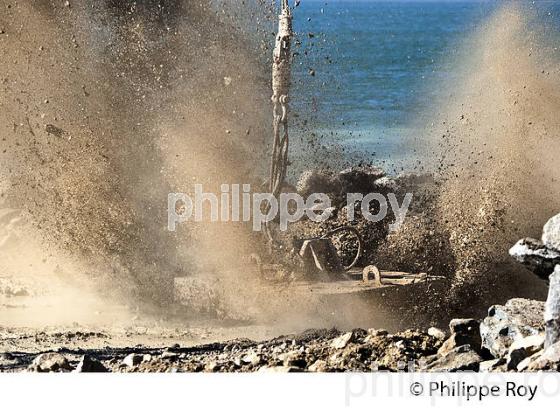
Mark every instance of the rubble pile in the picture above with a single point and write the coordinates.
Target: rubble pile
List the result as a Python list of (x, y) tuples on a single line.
[(510, 338), (364, 180), (543, 258)]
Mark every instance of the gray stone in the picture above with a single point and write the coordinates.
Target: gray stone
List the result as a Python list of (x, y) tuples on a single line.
[(133, 359), (211, 367), (360, 179), (491, 365), (463, 332), (50, 362), (252, 358), (525, 363), (519, 318), (8, 360), (456, 340), (378, 332), (342, 341), (464, 326), (293, 359), (168, 355), (385, 185), (90, 365), (536, 256), (437, 333), (549, 360), (552, 309), (317, 182), (462, 358), (523, 348), (320, 366), (551, 233)]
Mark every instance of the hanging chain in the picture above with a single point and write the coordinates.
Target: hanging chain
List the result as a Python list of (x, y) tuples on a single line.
[(281, 74)]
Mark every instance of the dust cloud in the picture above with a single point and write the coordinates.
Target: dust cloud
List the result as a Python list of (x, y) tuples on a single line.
[(494, 142), (105, 108)]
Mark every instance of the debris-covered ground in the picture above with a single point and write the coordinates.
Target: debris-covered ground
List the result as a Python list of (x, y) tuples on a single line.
[(510, 338)]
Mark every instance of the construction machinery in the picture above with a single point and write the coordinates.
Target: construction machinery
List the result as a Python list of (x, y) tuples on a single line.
[(318, 268)]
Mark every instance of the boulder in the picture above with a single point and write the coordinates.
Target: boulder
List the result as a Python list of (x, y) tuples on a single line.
[(552, 309), (50, 362), (464, 326), (437, 333), (342, 341), (133, 359), (8, 360), (551, 233), (360, 179), (90, 365), (536, 256), (548, 360), (320, 366), (317, 182), (168, 355), (252, 358), (523, 348), (462, 358), (293, 359), (491, 365), (525, 363), (518, 318), (463, 332)]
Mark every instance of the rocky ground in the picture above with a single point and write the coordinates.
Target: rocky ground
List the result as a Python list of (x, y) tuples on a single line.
[(509, 339)]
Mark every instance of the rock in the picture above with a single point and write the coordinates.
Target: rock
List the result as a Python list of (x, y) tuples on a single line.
[(462, 358), (342, 341), (293, 359), (237, 362), (491, 365), (8, 360), (552, 309), (167, 355), (551, 233), (132, 360), (523, 348), (90, 365), (320, 366), (211, 367), (464, 326), (548, 360), (437, 333), (454, 341), (385, 185), (517, 319), (50, 362), (378, 332), (463, 332), (252, 358), (536, 256), (360, 179), (525, 363), (317, 182)]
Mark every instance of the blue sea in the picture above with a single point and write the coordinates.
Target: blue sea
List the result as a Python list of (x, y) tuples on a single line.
[(365, 70)]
